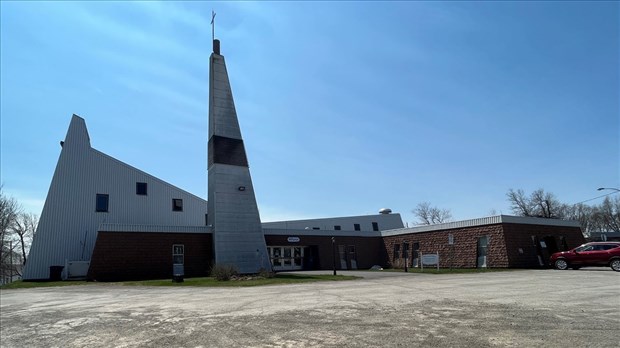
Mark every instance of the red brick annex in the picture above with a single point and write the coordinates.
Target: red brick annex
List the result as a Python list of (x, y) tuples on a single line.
[(492, 242)]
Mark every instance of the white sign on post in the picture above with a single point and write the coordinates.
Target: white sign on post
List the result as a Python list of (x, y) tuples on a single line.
[(430, 259)]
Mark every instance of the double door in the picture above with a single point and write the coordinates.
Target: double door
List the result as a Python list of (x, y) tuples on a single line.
[(286, 258)]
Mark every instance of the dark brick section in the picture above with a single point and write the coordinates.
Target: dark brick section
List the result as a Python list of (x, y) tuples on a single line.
[(509, 245), (519, 236), (367, 250), (137, 255)]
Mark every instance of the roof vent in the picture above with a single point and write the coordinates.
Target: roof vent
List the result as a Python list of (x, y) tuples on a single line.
[(385, 211)]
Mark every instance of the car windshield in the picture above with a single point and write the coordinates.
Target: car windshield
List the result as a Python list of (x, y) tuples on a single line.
[(585, 247)]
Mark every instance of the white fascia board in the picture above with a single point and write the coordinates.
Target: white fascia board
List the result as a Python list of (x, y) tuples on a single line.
[(319, 233), (491, 220)]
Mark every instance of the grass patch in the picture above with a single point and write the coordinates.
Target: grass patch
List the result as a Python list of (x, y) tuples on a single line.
[(280, 278), (19, 284), (433, 270)]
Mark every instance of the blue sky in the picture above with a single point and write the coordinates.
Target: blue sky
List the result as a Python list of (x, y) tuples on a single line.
[(345, 107)]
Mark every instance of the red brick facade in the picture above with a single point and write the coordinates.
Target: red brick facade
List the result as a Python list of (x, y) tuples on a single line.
[(148, 255), (509, 245), (139, 255)]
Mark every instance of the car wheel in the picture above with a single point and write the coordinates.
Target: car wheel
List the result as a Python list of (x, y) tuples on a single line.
[(615, 265), (561, 264)]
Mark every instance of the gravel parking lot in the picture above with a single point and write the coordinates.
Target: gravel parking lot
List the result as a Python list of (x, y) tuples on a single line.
[(514, 308)]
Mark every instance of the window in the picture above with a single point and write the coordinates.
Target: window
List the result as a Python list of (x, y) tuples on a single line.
[(102, 203), (396, 251), (177, 204), (405, 250), (141, 188), (375, 226), (316, 228), (178, 254), (356, 227), (337, 227)]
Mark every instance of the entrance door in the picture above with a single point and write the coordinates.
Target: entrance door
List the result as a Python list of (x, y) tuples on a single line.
[(482, 251), (286, 258), (343, 256), (352, 257), (416, 254)]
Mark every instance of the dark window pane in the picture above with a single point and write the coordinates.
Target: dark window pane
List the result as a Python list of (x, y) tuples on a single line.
[(177, 204), (356, 227), (337, 228), (226, 150), (141, 188), (375, 226), (102, 203)]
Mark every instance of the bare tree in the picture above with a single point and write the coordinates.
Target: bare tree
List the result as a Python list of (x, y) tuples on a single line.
[(9, 212), (538, 204), (519, 203), (23, 229), (610, 214), (429, 215)]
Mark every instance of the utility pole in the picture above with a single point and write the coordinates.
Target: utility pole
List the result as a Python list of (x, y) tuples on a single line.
[(11, 261)]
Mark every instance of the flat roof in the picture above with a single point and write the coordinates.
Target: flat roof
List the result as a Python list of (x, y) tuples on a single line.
[(490, 220)]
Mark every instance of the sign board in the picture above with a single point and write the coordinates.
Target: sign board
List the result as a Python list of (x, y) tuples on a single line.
[(430, 259), (293, 239), (450, 239), (178, 270)]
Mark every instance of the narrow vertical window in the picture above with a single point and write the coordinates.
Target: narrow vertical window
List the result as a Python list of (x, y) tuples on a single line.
[(356, 227), (375, 226), (141, 188), (177, 204), (178, 254), (396, 252), (101, 205)]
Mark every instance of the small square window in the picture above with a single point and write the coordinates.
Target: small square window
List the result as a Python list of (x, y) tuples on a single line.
[(102, 203), (356, 227), (141, 188), (177, 204), (337, 227), (375, 226)]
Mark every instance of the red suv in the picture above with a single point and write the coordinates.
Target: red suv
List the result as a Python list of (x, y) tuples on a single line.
[(589, 254)]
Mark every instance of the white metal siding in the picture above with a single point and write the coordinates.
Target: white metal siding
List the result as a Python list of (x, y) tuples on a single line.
[(68, 224), (385, 222)]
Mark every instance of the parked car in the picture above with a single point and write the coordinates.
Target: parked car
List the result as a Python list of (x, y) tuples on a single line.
[(589, 254)]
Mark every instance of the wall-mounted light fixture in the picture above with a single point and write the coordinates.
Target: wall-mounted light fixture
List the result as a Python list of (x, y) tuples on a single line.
[(241, 188)]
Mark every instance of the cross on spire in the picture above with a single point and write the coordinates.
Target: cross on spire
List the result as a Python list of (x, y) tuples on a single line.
[(212, 25)]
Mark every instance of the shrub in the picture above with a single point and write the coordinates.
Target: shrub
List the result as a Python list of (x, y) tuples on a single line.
[(223, 272), (263, 273)]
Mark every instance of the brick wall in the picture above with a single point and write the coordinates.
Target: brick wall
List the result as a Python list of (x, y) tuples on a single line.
[(367, 249), (509, 245), (463, 254), (523, 252), (136, 255)]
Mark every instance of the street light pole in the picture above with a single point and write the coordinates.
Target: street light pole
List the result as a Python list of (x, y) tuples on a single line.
[(334, 253), (608, 188)]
